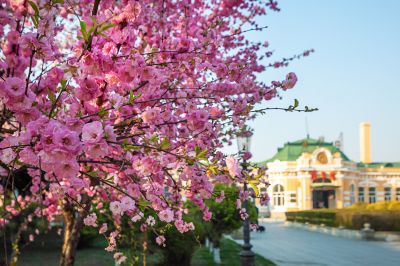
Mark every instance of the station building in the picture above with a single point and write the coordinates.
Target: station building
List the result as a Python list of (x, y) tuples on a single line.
[(310, 174)]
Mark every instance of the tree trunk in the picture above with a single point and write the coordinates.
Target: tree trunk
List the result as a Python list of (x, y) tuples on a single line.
[(216, 251), (15, 245), (217, 255), (73, 223)]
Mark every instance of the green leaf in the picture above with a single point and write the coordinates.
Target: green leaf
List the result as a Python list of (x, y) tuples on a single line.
[(63, 83), (154, 138), (52, 97), (34, 7), (105, 27), (102, 112), (255, 188), (92, 173), (91, 30), (213, 169), (143, 203), (35, 21), (202, 154), (94, 21), (197, 149), (165, 144), (131, 97), (35, 18), (296, 103), (83, 30)]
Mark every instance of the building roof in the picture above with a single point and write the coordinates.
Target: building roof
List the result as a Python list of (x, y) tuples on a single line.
[(291, 151), (379, 165)]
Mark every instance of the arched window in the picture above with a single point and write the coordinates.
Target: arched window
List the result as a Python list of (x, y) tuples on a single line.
[(372, 194), (388, 193), (352, 194), (361, 194), (278, 195)]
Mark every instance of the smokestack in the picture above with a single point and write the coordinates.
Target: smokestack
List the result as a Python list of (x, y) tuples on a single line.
[(365, 142)]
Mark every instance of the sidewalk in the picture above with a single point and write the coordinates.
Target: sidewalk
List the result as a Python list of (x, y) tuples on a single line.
[(292, 246)]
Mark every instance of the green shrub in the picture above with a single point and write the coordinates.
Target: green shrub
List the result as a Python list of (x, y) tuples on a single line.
[(381, 217), (180, 247), (225, 216), (326, 217), (394, 206), (381, 205), (379, 220), (358, 206)]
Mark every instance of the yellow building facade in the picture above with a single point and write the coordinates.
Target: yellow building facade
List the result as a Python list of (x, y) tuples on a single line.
[(310, 174)]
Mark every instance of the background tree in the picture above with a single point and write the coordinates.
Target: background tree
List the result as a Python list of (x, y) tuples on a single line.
[(225, 215)]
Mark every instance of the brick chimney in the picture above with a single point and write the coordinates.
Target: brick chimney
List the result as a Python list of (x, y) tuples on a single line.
[(365, 142)]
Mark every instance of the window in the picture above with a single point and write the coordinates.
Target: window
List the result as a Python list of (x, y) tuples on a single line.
[(398, 193), (293, 198), (388, 193), (361, 194), (352, 194), (278, 195), (372, 194)]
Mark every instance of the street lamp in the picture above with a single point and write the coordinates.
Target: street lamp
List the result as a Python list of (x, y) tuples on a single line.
[(246, 254)]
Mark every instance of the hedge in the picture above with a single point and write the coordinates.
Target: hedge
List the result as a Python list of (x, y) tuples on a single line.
[(381, 216), (326, 217)]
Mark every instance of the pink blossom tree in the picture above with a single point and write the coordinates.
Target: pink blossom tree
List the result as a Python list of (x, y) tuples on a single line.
[(123, 106)]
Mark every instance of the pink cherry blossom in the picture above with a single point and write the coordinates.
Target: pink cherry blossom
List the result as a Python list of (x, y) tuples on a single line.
[(116, 208), (160, 240), (221, 197), (290, 82), (127, 204), (14, 87), (137, 217), (92, 132), (88, 89), (166, 215), (90, 220), (119, 258), (67, 169), (207, 215), (103, 228), (233, 167), (150, 115)]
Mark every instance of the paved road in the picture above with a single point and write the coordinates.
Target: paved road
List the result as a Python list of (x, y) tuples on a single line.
[(292, 246)]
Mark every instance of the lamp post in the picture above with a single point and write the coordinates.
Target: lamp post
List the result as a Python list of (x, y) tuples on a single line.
[(247, 256)]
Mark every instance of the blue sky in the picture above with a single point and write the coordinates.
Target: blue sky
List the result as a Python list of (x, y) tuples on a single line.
[(353, 76)]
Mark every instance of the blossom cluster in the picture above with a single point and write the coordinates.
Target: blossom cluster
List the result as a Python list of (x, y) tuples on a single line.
[(123, 106)]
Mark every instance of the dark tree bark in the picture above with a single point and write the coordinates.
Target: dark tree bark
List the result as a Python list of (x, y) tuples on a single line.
[(73, 224)]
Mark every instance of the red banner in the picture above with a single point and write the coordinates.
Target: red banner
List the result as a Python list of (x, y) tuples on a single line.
[(323, 175), (333, 176), (314, 175)]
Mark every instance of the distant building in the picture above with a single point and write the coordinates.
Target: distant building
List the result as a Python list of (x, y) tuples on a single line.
[(310, 174)]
